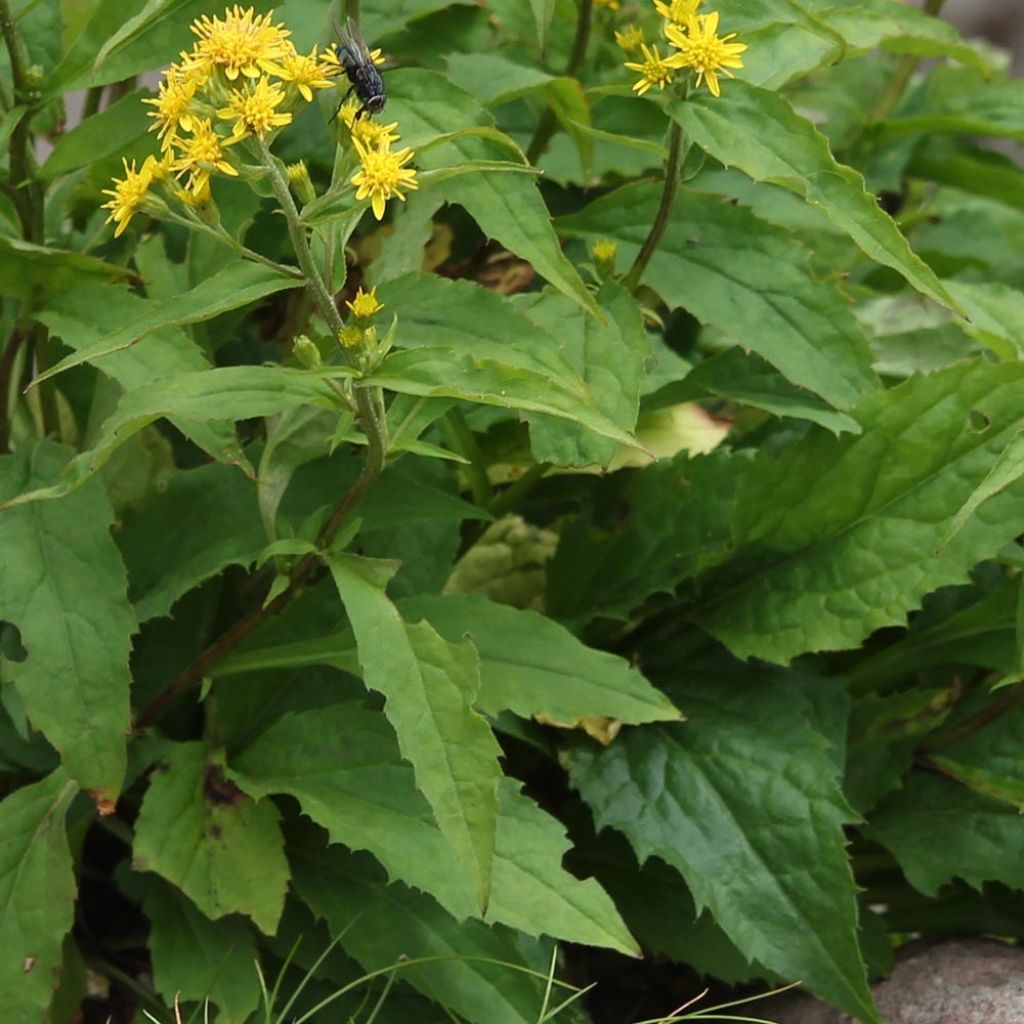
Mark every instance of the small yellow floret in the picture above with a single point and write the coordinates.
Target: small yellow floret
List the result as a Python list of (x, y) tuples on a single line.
[(630, 38), (254, 110), (307, 72), (350, 336), (653, 69), (679, 12), (365, 129), (128, 193), (365, 304), (200, 154), (172, 104), (383, 174), (240, 43), (701, 48), (604, 251)]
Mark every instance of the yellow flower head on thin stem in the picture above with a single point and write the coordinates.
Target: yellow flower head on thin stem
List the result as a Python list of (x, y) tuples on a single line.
[(701, 48), (200, 154), (240, 43), (128, 193), (604, 251), (630, 38), (172, 105), (254, 110), (679, 12), (653, 69), (383, 174), (365, 129), (365, 304), (307, 72)]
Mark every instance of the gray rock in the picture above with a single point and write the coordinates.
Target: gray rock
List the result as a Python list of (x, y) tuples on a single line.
[(964, 982)]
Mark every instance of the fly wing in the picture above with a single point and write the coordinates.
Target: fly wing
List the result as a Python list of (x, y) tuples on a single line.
[(352, 37)]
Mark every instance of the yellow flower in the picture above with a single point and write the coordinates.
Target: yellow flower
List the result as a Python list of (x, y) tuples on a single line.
[(242, 43), (383, 174), (306, 72), (604, 251), (128, 193), (365, 304), (365, 129), (351, 337), (254, 109), (706, 52), (201, 153), (630, 38), (654, 69), (172, 105), (679, 12), (612, 5)]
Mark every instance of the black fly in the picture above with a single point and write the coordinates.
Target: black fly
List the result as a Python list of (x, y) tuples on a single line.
[(364, 78)]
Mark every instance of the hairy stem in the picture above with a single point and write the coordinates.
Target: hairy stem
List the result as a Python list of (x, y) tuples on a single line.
[(368, 407), (548, 123), (668, 196), (7, 364)]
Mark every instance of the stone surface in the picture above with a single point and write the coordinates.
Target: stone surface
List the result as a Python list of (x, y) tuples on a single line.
[(964, 982)]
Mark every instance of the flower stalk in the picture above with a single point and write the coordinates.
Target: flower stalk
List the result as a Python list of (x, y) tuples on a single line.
[(668, 196)]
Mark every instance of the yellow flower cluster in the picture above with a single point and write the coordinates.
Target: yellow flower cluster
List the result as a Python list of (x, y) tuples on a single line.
[(382, 173), (242, 79), (698, 47)]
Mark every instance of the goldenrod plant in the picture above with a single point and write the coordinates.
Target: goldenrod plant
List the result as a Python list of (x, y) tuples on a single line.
[(507, 510)]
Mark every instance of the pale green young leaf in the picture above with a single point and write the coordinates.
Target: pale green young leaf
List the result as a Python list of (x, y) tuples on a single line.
[(224, 851), (529, 664), (37, 894), (759, 132), (63, 585), (543, 12), (197, 959), (191, 528), (745, 276), (749, 776), (238, 284), (430, 688), (994, 314), (843, 533)]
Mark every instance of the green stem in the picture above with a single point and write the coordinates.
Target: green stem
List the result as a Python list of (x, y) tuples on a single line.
[(463, 440), (548, 123), (374, 425), (901, 79), (8, 360), (668, 196), (1004, 703), (92, 101)]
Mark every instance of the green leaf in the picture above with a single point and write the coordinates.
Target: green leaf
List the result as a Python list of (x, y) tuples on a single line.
[(235, 392), (530, 665), (543, 12), (108, 133), (206, 837), (507, 207), (37, 895), (842, 533), (609, 357), (238, 284), (27, 269), (198, 959), (760, 133), (994, 315), (393, 922), (746, 277), (445, 373), (989, 108), (939, 830), (430, 687), (343, 766), (747, 775), (63, 585), (191, 528)]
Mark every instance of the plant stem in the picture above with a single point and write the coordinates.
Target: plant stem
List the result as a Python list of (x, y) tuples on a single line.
[(1005, 702), (548, 123), (374, 426), (668, 196), (7, 361), (904, 72)]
